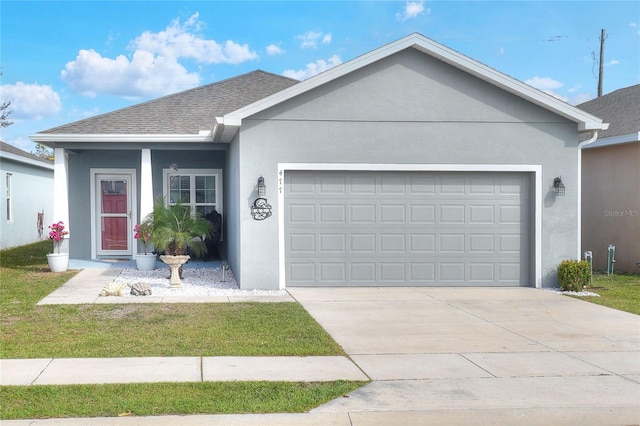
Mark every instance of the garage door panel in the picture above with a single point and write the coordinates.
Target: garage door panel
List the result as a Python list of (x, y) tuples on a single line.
[(302, 213), (398, 228), (422, 214), (480, 214), (362, 214), (333, 243), (452, 214), (392, 213), (422, 243), (392, 271), (302, 243)]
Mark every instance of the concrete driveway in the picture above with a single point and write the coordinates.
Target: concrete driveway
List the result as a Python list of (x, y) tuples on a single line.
[(482, 355)]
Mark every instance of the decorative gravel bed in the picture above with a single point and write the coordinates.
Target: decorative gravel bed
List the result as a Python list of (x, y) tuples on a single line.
[(195, 282), (573, 293)]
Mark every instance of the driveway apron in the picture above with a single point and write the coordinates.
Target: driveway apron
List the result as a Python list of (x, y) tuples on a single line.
[(429, 349)]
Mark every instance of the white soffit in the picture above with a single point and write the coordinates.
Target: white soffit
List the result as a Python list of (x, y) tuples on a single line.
[(585, 120)]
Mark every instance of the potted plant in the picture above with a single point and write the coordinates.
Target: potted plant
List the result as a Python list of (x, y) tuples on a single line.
[(58, 262), (174, 230), (144, 261)]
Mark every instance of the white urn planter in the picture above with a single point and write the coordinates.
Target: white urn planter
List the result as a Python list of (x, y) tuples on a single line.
[(146, 262), (175, 262), (58, 262)]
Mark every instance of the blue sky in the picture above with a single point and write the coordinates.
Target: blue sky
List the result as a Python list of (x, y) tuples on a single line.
[(64, 61)]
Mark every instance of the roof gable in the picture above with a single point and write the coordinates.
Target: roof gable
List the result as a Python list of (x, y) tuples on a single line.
[(584, 120)]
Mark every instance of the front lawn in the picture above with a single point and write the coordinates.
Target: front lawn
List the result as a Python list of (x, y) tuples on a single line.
[(145, 330), (137, 330), (618, 291)]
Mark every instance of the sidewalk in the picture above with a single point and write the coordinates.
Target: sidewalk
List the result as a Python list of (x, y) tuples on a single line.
[(25, 372)]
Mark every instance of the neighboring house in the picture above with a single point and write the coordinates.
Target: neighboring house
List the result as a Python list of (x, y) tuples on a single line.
[(27, 196), (410, 165), (611, 181)]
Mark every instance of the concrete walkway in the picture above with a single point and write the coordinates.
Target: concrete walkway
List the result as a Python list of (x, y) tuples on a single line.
[(435, 355)]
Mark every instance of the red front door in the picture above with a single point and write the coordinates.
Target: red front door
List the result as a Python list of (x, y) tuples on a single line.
[(114, 214)]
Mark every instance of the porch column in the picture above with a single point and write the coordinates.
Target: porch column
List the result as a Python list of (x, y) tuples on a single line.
[(146, 185), (61, 194)]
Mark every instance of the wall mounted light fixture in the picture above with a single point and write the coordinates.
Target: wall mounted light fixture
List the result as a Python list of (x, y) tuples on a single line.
[(262, 188), (261, 209), (558, 187)]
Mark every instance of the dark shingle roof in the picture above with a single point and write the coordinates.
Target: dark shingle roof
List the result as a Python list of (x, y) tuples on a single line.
[(621, 109), (185, 112), (5, 147)]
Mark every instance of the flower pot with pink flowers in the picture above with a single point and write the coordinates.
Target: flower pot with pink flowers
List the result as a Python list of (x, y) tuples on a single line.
[(144, 261), (58, 262)]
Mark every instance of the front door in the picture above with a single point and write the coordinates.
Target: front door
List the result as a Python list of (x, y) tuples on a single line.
[(113, 211)]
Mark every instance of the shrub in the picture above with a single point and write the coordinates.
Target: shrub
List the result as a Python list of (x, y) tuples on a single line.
[(573, 275)]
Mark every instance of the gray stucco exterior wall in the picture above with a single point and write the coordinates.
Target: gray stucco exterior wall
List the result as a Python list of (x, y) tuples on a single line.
[(31, 193), (81, 163), (406, 109)]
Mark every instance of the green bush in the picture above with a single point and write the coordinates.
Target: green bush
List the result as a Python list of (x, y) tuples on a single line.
[(573, 275)]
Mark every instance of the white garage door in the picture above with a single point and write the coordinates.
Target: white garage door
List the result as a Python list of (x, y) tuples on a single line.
[(407, 228)]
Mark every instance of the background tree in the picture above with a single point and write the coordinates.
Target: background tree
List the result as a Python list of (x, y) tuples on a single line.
[(5, 112), (43, 152)]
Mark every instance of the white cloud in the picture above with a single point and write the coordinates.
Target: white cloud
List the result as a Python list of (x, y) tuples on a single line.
[(274, 49), (153, 69), (501, 51), (310, 39), (313, 68), (612, 62), (144, 75), (547, 85), (30, 101), (412, 9)]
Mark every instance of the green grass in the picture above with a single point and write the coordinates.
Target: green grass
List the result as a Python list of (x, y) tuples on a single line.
[(136, 330), (145, 330), (618, 291), (109, 400)]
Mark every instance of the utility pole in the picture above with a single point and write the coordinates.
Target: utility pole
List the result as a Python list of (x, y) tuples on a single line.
[(603, 36)]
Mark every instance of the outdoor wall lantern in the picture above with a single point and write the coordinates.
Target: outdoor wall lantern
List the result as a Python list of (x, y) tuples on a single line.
[(558, 186), (261, 209)]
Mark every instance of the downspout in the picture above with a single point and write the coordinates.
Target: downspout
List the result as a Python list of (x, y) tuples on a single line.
[(594, 137)]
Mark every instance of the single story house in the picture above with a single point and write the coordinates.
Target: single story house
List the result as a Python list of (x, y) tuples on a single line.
[(26, 207), (411, 165), (611, 182)]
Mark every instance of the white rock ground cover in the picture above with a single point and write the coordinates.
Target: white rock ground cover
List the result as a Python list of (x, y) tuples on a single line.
[(195, 282)]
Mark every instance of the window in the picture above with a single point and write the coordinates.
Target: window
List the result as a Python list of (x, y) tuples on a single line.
[(9, 206), (200, 189)]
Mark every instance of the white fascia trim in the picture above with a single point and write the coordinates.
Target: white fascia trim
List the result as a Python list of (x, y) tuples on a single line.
[(614, 140), (536, 169), (585, 120), (25, 160), (47, 138)]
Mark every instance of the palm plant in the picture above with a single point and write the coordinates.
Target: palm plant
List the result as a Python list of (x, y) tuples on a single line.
[(174, 229)]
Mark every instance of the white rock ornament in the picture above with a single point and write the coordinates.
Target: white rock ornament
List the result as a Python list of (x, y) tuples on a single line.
[(114, 289)]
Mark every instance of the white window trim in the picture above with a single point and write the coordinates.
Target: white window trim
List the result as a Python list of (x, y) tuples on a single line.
[(190, 172), (9, 196), (536, 169)]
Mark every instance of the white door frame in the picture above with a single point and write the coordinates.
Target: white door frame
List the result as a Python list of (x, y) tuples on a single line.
[(133, 199), (536, 169)]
